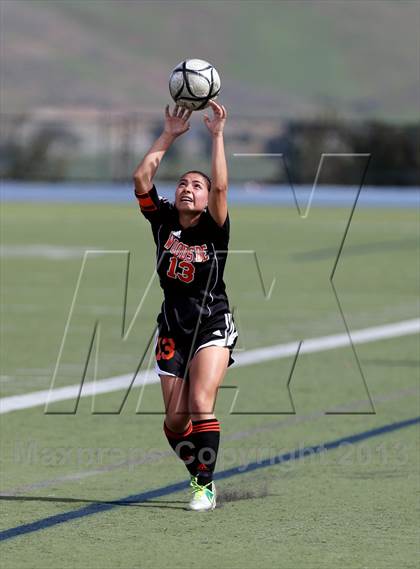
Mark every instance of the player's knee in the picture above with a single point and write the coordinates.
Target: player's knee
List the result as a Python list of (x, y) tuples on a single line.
[(177, 422), (201, 403)]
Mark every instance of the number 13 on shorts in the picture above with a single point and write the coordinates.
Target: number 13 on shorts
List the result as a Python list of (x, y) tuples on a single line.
[(165, 348)]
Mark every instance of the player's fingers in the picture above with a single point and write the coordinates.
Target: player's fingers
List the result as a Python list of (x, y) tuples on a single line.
[(216, 108), (224, 111), (187, 116), (182, 112), (167, 114), (176, 109)]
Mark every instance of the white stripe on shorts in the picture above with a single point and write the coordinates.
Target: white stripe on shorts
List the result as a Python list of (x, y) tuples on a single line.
[(162, 372), (230, 335)]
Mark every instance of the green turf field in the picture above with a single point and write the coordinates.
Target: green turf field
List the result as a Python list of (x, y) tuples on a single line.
[(353, 507)]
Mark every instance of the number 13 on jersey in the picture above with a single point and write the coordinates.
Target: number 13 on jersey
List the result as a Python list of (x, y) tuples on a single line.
[(182, 270)]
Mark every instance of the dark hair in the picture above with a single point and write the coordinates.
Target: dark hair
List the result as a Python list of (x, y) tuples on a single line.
[(201, 174)]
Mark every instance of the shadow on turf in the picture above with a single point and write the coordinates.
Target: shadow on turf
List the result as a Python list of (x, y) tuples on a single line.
[(236, 495), (148, 503), (228, 495)]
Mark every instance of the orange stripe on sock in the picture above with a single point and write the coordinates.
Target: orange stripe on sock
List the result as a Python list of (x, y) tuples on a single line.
[(202, 429), (174, 435), (213, 424)]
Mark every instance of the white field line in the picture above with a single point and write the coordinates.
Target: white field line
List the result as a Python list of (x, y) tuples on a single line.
[(56, 253), (250, 357)]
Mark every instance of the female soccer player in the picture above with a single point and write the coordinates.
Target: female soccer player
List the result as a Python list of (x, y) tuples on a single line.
[(196, 332)]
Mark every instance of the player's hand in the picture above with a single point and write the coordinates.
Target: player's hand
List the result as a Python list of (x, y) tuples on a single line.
[(177, 123), (217, 123)]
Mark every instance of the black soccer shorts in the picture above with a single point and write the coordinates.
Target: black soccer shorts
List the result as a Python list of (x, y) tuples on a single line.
[(174, 352)]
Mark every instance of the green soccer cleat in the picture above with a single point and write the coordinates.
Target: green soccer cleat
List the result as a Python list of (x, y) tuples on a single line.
[(193, 480), (204, 497)]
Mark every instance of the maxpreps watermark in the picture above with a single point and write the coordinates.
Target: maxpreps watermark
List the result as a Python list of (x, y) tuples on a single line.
[(32, 453), (346, 455)]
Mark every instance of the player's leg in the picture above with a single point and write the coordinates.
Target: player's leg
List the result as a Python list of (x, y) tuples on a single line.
[(207, 370), (177, 425), (175, 397), (170, 365), (206, 373)]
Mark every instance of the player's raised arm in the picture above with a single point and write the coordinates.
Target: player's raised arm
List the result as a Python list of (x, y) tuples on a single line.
[(175, 125), (217, 203)]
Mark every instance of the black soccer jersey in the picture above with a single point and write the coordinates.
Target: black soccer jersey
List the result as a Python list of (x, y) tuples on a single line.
[(190, 264)]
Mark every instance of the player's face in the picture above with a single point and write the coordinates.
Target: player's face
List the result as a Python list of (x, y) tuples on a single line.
[(191, 193)]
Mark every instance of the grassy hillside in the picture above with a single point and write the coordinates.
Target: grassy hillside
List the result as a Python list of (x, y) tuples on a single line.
[(277, 58)]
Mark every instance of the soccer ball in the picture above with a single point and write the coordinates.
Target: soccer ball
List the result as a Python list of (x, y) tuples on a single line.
[(193, 83)]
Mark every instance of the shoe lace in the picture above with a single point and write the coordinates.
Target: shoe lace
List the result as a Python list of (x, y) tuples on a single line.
[(197, 488)]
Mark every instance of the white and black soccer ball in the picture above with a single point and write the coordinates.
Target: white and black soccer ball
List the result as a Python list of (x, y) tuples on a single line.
[(193, 83)]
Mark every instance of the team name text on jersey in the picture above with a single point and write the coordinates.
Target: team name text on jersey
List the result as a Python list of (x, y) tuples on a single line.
[(192, 253)]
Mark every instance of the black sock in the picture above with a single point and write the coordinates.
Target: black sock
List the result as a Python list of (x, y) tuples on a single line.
[(205, 436), (183, 446)]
